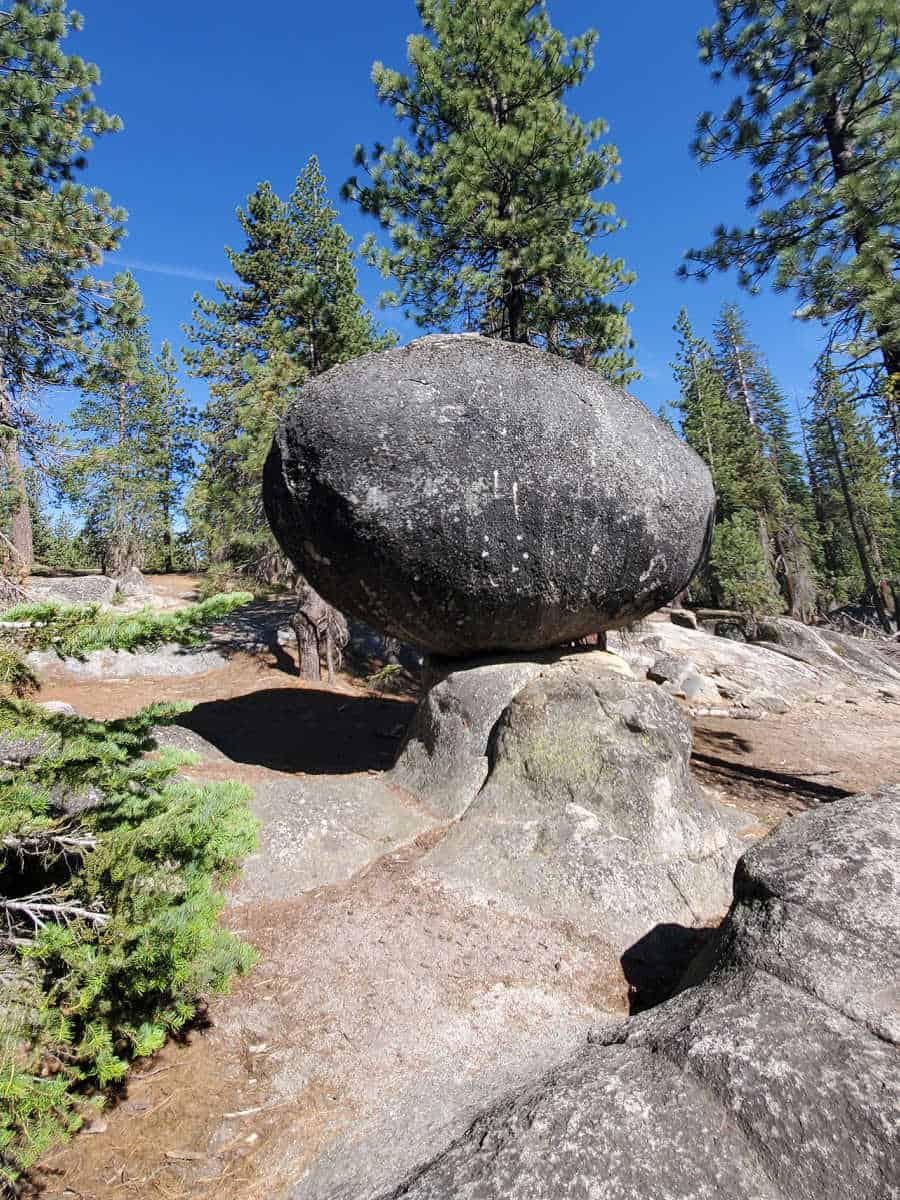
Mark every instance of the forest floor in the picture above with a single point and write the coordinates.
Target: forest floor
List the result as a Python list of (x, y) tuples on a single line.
[(164, 1136)]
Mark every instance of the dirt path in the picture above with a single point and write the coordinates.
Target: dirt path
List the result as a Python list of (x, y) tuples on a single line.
[(205, 1118)]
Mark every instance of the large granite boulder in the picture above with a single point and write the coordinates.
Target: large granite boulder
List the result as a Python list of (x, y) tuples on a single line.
[(470, 496), (773, 1075)]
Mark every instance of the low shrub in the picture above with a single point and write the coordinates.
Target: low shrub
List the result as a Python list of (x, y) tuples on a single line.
[(110, 870), (74, 630)]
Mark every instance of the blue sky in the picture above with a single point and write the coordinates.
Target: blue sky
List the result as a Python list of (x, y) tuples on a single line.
[(217, 95)]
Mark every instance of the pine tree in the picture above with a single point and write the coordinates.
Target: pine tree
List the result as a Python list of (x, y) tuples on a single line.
[(294, 312), (171, 431), (53, 230), (491, 206), (853, 504), (112, 479), (818, 124), (721, 433), (712, 424), (784, 511)]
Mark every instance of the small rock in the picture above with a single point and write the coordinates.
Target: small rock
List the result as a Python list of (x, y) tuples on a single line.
[(768, 701), (734, 631), (654, 643), (132, 584), (683, 617), (58, 708), (700, 689), (670, 669)]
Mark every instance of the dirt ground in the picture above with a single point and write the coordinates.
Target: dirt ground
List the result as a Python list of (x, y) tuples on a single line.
[(163, 1137)]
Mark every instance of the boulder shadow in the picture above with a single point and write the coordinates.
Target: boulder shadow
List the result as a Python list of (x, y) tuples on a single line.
[(304, 730), (655, 964)]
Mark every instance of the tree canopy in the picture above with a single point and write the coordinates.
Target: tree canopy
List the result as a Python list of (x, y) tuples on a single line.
[(492, 204), (818, 124)]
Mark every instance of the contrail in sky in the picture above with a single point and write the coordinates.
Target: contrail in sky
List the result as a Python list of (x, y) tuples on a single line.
[(136, 264)]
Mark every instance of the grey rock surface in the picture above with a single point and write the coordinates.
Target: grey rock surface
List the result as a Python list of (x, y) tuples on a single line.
[(133, 584), (73, 589), (816, 660), (17, 750), (443, 759), (773, 1075), (322, 831), (470, 496), (589, 813), (168, 661), (683, 617), (670, 668), (444, 755)]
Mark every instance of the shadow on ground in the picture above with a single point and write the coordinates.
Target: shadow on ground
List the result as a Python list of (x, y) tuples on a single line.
[(654, 965), (304, 730)]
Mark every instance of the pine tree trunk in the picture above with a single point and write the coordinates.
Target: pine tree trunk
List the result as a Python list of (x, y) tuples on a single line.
[(122, 552), (861, 551), (20, 532)]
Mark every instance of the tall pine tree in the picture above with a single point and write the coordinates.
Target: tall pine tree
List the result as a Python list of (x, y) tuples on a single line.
[(53, 230), (818, 125), (739, 571), (112, 479), (170, 444), (295, 311), (782, 499), (853, 504), (491, 206)]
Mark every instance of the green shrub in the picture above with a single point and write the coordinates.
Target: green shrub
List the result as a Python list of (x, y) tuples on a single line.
[(109, 904), (738, 566), (74, 630)]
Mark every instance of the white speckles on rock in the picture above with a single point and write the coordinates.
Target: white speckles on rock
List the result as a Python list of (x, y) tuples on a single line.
[(490, 442)]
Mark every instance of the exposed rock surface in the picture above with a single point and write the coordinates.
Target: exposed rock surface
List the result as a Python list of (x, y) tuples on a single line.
[(802, 665), (773, 1076), (73, 589), (133, 585), (444, 759), (171, 660), (471, 496), (590, 814)]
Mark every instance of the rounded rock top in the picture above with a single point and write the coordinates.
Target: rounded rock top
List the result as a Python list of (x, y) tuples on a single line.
[(475, 496)]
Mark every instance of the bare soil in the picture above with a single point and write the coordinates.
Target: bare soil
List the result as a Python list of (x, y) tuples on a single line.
[(164, 1136)]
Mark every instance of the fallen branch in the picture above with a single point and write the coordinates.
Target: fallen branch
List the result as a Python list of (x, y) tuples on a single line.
[(40, 908), (39, 845)]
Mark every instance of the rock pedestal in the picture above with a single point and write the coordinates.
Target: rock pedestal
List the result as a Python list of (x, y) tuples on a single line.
[(572, 786), (470, 496)]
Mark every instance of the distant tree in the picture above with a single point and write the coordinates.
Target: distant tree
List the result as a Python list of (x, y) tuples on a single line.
[(112, 479), (39, 515), (733, 414), (712, 424), (853, 504), (295, 311), (818, 123), (491, 206), (782, 496), (52, 229), (737, 565), (171, 439)]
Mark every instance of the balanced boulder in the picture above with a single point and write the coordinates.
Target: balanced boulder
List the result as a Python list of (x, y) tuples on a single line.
[(470, 495)]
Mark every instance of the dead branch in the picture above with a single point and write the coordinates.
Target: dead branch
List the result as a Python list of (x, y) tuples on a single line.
[(30, 914)]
